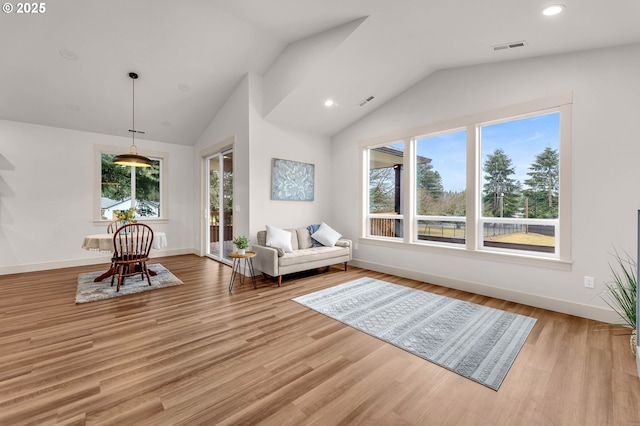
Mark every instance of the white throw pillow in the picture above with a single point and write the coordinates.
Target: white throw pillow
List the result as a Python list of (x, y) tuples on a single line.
[(326, 236), (279, 238)]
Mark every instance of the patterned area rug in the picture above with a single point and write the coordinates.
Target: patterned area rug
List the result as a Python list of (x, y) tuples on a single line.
[(475, 341), (89, 291)]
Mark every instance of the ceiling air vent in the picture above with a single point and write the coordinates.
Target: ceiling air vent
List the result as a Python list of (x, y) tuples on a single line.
[(366, 101), (507, 46)]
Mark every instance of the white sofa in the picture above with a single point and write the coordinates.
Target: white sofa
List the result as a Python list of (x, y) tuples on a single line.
[(303, 256)]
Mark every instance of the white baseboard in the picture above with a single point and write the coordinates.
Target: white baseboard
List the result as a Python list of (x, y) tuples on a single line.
[(43, 266), (556, 305)]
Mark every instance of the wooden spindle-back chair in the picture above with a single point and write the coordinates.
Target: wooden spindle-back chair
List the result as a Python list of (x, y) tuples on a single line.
[(131, 246)]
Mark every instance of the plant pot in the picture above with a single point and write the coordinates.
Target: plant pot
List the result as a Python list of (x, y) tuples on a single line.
[(241, 252)]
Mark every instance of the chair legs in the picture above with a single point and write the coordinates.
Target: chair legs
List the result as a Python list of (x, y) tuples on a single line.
[(123, 271), (120, 272), (145, 271)]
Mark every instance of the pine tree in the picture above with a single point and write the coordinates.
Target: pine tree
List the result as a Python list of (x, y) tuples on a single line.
[(430, 190), (543, 185), (501, 193)]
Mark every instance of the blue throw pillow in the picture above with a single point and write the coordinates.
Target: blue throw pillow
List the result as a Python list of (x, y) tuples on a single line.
[(312, 229)]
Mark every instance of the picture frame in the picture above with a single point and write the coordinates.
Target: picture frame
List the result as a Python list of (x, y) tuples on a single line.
[(292, 180)]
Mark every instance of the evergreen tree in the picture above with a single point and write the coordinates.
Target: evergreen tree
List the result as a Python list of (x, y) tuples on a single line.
[(430, 190), (501, 193), (430, 180), (116, 180), (543, 185)]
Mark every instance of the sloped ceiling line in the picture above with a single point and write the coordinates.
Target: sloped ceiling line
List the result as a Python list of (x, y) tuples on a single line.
[(298, 62)]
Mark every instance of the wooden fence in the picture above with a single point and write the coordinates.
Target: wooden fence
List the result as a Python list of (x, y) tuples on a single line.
[(214, 233), (214, 226)]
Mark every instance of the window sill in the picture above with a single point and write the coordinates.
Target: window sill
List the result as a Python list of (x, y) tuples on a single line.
[(461, 251), (145, 220)]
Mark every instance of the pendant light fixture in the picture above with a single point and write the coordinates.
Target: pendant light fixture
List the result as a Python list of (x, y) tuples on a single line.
[(132, 158)]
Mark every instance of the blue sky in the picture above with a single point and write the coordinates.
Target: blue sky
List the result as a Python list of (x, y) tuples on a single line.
[(520, 139)]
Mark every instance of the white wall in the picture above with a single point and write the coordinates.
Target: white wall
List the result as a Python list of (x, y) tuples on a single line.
[(605, 181), (256, 142), (49, 172), (299, 60), (230, 123), (270, 141)]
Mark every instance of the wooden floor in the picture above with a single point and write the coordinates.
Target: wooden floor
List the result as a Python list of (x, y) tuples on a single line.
[(197, 355)]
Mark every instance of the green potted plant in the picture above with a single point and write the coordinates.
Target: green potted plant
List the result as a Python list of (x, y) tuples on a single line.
[(621, 293), (242, 243)]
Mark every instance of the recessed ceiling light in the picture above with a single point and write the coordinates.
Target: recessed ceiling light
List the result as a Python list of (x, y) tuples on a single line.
[(553, 9), (329, 103), (67, 54)]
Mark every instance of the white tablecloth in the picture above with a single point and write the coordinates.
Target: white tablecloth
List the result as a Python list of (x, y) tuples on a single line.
[(104, 242)]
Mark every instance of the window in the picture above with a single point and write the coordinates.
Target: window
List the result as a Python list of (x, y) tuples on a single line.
[(385, 195), (520, 182), (440, 164), (123, 187), (496, 182)]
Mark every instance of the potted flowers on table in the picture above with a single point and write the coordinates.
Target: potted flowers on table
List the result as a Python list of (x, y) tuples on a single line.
[(126, 216), (242, 243)]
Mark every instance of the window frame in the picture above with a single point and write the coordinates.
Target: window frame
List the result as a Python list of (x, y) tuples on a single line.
[(163, 157), (398, 216), (473, 246), (416, 217)]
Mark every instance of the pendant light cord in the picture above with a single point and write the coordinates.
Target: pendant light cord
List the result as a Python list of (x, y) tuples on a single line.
[(133, 131), (133, 108), (132, 158)]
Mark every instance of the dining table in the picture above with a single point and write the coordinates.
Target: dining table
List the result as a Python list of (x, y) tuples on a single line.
[(104, 243)]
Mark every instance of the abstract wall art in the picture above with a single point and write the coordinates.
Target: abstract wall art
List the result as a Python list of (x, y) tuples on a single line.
[(292, 180)]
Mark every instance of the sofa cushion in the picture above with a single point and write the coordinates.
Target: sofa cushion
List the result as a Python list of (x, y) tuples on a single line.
[(304, 238), (311, 254), (261, 238), (294, 239), (326, 235), (279, 238)]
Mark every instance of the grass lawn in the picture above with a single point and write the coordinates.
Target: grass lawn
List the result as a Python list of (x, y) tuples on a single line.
[(524, 238), (513, 238), (437, 231)]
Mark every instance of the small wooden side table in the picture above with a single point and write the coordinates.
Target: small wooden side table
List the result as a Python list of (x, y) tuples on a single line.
[(248, 259)]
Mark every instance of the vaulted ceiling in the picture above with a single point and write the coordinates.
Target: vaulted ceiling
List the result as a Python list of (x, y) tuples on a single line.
[(68, 66)]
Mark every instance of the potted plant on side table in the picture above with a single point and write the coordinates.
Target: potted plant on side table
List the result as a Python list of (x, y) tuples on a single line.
[(621, 293), (242, 243)]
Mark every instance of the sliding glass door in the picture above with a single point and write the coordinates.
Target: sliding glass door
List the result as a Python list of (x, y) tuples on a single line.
[(219, 235)]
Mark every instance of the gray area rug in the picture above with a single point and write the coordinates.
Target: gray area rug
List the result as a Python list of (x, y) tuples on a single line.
[(89, 291), (475, 341)]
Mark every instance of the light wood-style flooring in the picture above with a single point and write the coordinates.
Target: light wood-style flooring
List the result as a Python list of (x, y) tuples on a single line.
[(197, 355)]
